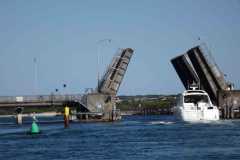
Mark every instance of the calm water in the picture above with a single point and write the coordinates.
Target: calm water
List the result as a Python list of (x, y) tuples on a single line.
[(135, 137)]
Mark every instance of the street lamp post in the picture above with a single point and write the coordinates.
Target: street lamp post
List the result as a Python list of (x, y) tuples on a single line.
[(35, 75), (64, 87), (98, 58), (65, 93)]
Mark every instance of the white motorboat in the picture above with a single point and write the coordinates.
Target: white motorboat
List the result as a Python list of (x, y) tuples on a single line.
[(195, 105)]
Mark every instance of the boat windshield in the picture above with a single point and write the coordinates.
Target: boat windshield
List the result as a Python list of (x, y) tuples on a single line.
[(195, 99)]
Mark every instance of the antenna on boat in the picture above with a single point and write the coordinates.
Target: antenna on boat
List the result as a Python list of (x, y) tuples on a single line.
[(194, 86)]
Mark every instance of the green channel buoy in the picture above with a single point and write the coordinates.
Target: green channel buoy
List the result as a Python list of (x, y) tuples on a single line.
[(34, 128)]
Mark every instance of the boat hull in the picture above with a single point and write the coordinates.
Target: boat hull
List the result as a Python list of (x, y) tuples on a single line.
[(196, 115)]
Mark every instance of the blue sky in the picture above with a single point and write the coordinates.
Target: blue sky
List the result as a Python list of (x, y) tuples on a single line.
[(63, 36)]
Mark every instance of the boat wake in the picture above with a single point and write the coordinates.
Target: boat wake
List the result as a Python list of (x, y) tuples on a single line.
[(161, 122)]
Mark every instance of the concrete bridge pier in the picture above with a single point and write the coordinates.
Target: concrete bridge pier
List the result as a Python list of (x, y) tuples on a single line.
[(19, 119), (19, 111)]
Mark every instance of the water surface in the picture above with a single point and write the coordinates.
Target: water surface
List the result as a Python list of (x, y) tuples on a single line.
[(134, 137)]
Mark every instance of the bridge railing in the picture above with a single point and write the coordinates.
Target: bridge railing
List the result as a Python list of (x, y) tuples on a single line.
[(40, 98)]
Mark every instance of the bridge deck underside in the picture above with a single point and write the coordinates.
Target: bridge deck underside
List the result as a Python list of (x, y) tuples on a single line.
[(195, 66)]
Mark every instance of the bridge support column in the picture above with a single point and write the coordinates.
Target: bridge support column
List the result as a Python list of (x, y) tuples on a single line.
[(19, 119)]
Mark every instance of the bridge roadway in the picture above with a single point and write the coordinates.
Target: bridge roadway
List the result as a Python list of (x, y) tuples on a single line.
[(38, 100)]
